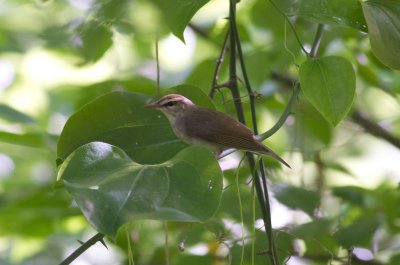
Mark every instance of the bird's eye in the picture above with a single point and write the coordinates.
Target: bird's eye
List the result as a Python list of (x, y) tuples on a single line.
[(169, 104)]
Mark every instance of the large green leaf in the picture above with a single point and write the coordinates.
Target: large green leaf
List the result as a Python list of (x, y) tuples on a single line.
[(339, 12), (178, 13), (111, 189), (120, 118), (329, 84), (383, 19)]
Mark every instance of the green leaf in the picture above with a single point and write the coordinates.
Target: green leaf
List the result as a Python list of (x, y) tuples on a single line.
[(338, 12), (13, 115), (359, 233), (383, 19), (93, 40), (178, 13), (329, 84), (120, 118), (111, 189), (297, 198)]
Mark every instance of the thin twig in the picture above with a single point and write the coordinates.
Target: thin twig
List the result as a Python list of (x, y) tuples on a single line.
[(158, 66), (220, 59), (79, 251)]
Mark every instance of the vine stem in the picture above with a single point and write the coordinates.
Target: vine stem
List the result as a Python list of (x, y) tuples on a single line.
[(85, 246), (317, 41)]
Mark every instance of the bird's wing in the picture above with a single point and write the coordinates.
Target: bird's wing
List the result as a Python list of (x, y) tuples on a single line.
[(221, 130)]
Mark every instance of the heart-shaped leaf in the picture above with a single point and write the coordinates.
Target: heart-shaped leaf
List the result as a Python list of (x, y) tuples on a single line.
[(111, 189), (383, 19), (329, 84)]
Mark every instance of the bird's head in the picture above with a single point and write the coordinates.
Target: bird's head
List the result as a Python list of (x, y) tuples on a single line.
[(172, 105)]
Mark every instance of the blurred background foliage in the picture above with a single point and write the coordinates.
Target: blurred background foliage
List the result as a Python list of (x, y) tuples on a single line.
[(340, 200)]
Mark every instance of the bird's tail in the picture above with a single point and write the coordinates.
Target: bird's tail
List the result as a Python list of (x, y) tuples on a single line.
[(265, 150)]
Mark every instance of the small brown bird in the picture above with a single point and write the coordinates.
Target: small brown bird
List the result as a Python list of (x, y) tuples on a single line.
[(207, 127)]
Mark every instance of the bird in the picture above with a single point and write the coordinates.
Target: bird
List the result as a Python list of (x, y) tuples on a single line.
[(213, 129)]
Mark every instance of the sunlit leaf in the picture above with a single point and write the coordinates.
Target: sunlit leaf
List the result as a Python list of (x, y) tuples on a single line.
[(111, 189), (383, 19), (329, 84)]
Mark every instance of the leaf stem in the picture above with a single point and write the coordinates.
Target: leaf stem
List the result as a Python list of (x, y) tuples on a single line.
[(317, 41), (285, 114), (85, 246)]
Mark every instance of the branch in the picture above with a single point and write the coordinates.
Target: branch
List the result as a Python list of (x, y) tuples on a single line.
[(374, 128), (79, 251)]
